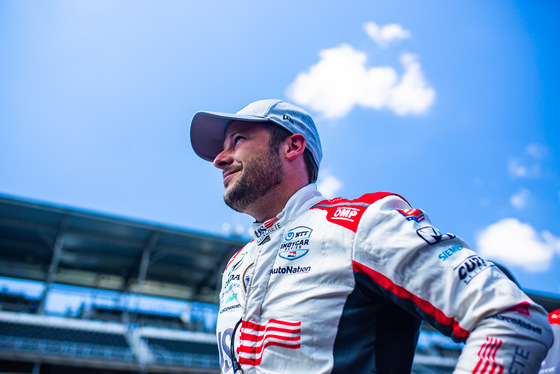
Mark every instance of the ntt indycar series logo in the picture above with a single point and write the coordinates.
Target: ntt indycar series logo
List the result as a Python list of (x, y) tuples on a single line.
[(290, 270), (295, 243)]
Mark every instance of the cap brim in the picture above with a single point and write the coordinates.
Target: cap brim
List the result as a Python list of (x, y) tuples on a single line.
[(208, 132)]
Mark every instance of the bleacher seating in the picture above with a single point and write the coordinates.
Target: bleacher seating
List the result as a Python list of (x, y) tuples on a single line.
[(61, 336), (17, 303), (101, 313), (168, 342), (155, 320), (182, 346), (177, 352), (139, 318), (30, 331)]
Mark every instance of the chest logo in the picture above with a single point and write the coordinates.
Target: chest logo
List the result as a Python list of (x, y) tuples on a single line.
[(237, 264), (264, 230), (247, 274), (295, 243)]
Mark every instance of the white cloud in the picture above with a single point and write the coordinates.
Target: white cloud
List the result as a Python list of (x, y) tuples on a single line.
[(536, 151), (520, 199), (411, 95), (341, 80), (514, 243), (516, 169), (527, 165), (382, 36), (329, 186)]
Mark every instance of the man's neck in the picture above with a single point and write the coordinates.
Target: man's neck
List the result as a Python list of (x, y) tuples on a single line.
[(272, 203)]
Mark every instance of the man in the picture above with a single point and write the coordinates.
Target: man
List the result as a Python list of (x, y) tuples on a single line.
[(341, 286)]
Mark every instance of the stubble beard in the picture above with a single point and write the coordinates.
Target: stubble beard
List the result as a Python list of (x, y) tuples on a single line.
[(260, 175)]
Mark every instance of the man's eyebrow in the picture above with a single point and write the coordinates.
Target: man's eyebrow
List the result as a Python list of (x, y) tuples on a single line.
[(241, 131), (231, 136)]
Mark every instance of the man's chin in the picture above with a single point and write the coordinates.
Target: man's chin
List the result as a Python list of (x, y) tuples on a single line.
[(234, 204), (228, 187)]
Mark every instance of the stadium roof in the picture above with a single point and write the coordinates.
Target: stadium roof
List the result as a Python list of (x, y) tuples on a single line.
[(55, 244)]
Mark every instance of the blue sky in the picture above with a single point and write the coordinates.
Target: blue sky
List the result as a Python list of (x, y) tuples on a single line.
[(453, 105)]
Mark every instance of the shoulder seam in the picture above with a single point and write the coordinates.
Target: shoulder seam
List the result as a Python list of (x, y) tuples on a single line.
[(363, 201)]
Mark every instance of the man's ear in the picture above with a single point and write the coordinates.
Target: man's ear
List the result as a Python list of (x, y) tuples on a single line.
[(294, 145)]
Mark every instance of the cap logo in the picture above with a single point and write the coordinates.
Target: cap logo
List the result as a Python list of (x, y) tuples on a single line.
[(288, 118)]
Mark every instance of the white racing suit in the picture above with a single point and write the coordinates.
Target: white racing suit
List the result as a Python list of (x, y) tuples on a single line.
[(341, 286)]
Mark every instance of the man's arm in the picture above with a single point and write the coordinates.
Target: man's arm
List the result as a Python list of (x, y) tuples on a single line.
[(437, 277)]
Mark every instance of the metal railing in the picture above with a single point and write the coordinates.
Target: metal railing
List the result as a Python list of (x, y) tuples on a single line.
[(65, 348)]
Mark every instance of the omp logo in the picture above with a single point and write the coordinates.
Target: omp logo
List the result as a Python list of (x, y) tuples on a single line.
[(471, 267), (342, 212), (345, 213), (255, 339)]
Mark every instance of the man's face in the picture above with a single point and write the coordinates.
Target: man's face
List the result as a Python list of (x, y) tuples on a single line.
[(250, 167)]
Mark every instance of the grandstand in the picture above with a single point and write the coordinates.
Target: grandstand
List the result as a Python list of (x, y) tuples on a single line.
[(88, 293)]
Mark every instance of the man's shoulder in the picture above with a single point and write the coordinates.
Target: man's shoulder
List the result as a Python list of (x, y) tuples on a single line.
[(348, 213), (364, 200)]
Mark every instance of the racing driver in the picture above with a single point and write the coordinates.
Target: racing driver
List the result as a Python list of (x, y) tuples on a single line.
[(341, 286)]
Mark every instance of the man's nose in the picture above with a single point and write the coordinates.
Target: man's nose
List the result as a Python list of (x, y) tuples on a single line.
[(223, 159)]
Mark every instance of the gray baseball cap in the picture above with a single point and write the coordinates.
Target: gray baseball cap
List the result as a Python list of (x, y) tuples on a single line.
[(208, 128)]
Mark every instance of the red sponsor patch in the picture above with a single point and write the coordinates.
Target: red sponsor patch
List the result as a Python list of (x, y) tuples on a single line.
[(347, 213), (554, 317), (344, 215), (412, 214)]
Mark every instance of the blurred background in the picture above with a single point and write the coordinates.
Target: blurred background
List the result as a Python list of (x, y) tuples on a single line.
[(110, 223)]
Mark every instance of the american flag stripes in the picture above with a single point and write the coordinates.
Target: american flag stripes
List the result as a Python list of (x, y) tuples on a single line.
[(487, 363), (254, 339)]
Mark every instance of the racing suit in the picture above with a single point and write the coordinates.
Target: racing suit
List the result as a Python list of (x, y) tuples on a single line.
[(341, 286)]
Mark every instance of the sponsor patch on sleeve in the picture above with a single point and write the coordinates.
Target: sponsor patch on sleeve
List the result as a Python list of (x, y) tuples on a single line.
[(412, 214), (471, 267), (432, 235)]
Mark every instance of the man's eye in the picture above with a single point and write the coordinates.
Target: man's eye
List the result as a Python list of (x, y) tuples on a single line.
[(237, 139)]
